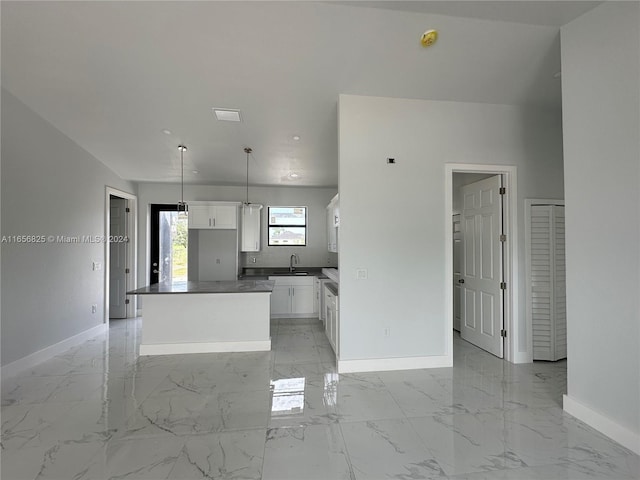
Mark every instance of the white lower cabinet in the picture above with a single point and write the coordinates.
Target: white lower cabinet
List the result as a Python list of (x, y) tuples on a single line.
[(281, 299), (332, 322), (293, 297)]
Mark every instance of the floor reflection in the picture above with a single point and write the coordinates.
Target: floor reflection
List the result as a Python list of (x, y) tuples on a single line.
[(288, 396)]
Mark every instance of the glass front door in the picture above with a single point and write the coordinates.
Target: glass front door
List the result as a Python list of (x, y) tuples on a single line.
[(169, 242)]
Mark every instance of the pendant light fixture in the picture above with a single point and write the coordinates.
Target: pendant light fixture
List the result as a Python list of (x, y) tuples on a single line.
[(248, 151), (250, 210), (182, 205)]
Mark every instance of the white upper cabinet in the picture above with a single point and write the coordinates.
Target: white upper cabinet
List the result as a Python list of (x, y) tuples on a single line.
[(210, 216), (333, 224), (251, 227)]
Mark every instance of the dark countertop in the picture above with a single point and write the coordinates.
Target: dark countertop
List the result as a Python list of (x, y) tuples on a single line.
[(265, 272), (239, 286), (333, 287)]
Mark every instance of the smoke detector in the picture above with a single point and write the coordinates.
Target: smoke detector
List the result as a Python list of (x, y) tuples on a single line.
[(429, 38)]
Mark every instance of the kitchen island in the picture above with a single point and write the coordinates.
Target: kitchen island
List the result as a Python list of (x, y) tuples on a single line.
[(203, 317)]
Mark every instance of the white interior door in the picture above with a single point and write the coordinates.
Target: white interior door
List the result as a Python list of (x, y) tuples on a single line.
[(481, 269), (457, 286), (117, 259)]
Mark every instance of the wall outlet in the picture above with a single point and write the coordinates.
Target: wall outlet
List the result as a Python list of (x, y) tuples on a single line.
[(387, 332), (362, 274), (253, 259), (94, 308), (217, 260)]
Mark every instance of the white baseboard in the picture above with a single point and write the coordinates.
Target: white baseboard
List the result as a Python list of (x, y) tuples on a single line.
[(398, 363), (205, 347), (285, 316), (522, 357), (30, 361), (602, 423)]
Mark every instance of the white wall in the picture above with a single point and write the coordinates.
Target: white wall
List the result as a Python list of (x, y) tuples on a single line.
[(601, 110), (316, 199), (50, 186), (393, 219)]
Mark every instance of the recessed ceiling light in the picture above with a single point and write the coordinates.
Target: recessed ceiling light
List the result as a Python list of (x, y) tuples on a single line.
[(194, 171), (293, 175), (227, 115), (166, 131), (296, 137)]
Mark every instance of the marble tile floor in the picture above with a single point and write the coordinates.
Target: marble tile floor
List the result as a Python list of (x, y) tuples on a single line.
[(101, 412)]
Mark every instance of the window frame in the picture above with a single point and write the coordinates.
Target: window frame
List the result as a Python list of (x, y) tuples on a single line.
[(305, 226)]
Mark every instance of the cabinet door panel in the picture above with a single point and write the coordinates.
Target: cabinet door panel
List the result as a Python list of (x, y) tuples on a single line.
[(280, 299), (250, 229), (302, 299), (200, 216), (225, 217)]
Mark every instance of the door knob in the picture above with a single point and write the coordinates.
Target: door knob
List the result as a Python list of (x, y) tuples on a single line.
[(461, 280), (156, 271)]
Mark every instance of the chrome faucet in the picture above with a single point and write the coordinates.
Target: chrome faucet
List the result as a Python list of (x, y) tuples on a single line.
[(294, 260)]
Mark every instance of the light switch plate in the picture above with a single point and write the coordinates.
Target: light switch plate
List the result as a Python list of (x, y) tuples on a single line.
[(97, 265), (362, 274)]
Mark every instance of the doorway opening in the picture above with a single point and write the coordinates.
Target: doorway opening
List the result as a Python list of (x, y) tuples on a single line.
[(478, 260), (168, 244), (496, 299), (120, 254)]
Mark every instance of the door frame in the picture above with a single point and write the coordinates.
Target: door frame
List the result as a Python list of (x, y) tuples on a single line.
[(132, 229), (510, 261), (153, 243), (528, 203)]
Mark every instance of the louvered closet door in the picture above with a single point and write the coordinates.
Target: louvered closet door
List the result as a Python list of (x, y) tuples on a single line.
[(559, 284), (547, 291)]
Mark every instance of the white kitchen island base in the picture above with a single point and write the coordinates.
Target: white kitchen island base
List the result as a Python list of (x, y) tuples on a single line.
[(195, 322)]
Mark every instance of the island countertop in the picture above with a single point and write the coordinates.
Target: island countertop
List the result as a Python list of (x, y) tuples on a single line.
[(230, 286)]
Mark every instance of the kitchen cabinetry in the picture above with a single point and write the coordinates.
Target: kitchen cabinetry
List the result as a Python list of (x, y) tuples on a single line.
[(317, 304), (319, 295), (292, 296), (211, 216), (332, 323), (251, 227), (333, 224), (336, 211)]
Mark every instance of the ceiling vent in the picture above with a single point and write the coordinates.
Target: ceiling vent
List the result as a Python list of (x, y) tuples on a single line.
[(227, 115)]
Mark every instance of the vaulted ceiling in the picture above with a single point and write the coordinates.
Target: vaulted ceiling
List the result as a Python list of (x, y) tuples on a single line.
[(115, 77)]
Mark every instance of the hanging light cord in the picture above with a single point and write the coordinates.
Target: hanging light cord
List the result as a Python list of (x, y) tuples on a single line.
[(182, 149), (248, 150)]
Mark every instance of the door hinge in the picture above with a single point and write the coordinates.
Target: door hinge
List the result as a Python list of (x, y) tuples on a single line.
[(126, 302), (503, 285), (503, 190), (503, 238), (503, 333), (128, 210), (126, 270)]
